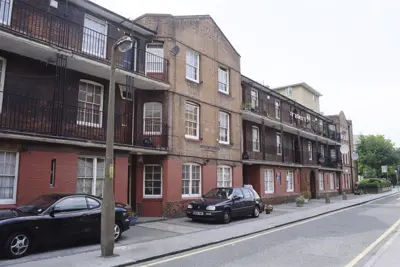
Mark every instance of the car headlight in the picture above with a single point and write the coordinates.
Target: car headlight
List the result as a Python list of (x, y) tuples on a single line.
[(190, 206), (210, 208)]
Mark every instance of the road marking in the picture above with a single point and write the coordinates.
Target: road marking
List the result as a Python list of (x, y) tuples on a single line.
[(255, 236), (373, 245), (398, 198)]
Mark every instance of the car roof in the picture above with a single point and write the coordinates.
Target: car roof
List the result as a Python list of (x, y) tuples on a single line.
[(62, 195)]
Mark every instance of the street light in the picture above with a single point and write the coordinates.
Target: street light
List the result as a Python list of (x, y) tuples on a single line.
[(108, 206)]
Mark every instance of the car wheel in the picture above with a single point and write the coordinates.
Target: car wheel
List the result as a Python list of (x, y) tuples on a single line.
[(117, 232), (227, 216), (256, 212), (17, 245)]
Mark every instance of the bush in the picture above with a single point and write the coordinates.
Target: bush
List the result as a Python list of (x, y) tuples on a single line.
[(307, 194), (374, 183)]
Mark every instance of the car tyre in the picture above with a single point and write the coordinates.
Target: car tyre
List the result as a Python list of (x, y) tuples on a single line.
[(256, 212), (227, 217), (18, 245), (117, 231)]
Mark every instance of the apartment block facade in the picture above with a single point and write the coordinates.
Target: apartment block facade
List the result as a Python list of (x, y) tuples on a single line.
[(54, 88), (204, 109), (288, 148)]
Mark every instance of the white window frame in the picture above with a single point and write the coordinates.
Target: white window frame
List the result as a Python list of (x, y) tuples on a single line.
[(310, 152), (321, 181), (15, 185), (269, 181), (7, 22), (150, 49), (197, 136), (254, 102), (94, 171), (291, 176), (144, 118), (277, 109), (225, 72), (228, 118), (88, 51), (190, 53), (191, 180), (2, 81), (91, 124), (289, 91), (256, 139), (224, 169), (144, 181), (278, 144), (331, 181)]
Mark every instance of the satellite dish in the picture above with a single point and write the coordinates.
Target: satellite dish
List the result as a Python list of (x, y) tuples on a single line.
[(354, 156), (175, 51), (344, 149)]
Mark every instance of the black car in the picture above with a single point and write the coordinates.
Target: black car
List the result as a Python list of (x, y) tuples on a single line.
[(55, 218), (223, 204)]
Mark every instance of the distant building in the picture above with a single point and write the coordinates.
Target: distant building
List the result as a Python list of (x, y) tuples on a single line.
[(303, 94)]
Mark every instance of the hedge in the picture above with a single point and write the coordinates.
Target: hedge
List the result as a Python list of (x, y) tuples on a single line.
[(374, 183)]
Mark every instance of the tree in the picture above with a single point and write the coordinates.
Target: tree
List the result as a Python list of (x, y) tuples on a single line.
[(375, 151)]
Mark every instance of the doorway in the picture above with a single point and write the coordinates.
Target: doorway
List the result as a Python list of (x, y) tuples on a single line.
[(313, 186)]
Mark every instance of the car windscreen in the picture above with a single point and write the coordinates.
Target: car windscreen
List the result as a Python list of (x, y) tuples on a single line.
[(220, 193), (38, 205)]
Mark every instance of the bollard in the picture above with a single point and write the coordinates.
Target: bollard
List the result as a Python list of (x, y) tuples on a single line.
[(344, 196)]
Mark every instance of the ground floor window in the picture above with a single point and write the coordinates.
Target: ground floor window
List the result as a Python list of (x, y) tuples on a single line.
[(152, 181), (331, 181), (224, 176), (289, 181), (8, 177), (321, 180), (191, 180), (269, 181), (91, 173)]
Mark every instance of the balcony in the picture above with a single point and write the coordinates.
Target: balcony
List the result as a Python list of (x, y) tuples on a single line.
[(32, 23), (253, 151), (42, 118), (291, 119), (329, 161)]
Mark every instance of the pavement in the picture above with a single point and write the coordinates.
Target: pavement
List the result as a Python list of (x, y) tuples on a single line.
[(335, 239), (153, 240)]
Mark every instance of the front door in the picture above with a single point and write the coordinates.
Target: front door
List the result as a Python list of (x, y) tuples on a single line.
[(313, 186)]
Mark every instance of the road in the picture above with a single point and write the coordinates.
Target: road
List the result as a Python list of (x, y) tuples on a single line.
[(348, 238)]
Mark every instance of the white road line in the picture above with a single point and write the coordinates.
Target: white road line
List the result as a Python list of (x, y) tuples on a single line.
[(373, 245), (253, 237)]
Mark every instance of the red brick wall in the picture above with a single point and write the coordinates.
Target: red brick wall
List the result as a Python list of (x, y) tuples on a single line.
[(209, 178), (237, 177), (172, 180), (34, 174), (121, 180)]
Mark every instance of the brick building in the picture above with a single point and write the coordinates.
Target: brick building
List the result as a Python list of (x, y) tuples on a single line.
[(204, 112), (287, 148), (54, 69)]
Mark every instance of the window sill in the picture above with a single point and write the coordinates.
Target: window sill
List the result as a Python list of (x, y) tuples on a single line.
[(225, 144), (289, 191), (224, 93), (192, 81), (151, 197), (193, 139), (8, 202), (269, 193), (191, 197)]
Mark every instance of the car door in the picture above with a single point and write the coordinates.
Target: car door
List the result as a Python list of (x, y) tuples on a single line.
[(248, 201), (94, 216), (70, 218), (238, 203)]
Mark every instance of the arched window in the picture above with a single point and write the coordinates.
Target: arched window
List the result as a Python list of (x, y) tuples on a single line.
[(152, 118)]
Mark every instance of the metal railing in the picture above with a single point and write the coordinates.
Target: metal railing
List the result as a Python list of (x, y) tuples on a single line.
[(287, 114), (31, 116), (41, 25)]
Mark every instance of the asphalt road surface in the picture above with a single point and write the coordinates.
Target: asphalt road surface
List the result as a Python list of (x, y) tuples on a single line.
[(347, 238)]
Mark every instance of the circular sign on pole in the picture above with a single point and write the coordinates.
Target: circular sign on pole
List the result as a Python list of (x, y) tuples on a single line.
[(354, 156), (344, 149)]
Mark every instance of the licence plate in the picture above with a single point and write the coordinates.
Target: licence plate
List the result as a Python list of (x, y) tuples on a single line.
[(198, 213)]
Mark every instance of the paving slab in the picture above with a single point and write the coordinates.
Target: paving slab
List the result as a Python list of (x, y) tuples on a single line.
[(130, 254)]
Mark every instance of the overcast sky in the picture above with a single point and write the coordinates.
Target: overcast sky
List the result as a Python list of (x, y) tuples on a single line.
[(349, 50)]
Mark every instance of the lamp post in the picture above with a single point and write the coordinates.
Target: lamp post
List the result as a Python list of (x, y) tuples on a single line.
[(108, 206)]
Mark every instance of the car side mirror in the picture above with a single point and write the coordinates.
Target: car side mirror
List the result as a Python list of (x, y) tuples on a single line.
[(54, 210), (236, 197)]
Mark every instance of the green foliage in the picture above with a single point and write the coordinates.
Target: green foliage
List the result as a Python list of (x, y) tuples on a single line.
[(375, 151), (300, 200), (306, 194), (374, 183)]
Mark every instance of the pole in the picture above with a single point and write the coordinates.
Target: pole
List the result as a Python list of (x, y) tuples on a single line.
[(108, 206)]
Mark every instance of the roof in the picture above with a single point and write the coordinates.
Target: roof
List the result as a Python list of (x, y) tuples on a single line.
[(303, 84), (112, 16), (276, 94), (188, 17)]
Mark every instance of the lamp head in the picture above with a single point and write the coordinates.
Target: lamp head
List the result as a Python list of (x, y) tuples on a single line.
[(124, 44)]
